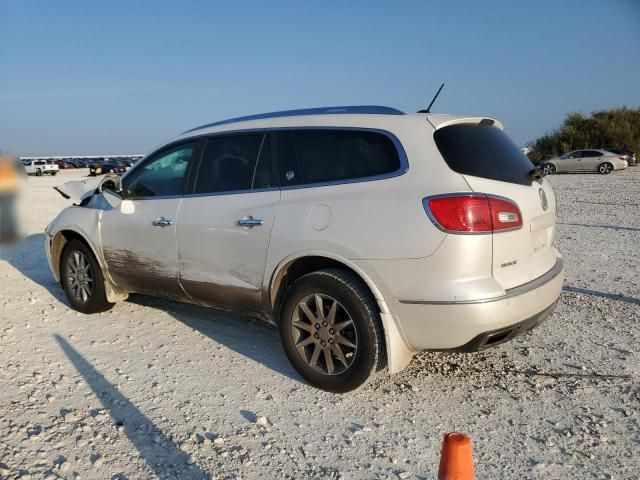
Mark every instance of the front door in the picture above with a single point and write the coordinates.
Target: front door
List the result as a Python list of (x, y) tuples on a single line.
[(225, 226), (571, 162), (139, 237)]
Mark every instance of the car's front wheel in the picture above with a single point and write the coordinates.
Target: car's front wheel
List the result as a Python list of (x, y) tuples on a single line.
[(82, 279), (605, 168), (331, 330)]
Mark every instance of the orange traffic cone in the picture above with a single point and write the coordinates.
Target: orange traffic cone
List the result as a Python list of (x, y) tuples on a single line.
[(456, 460)]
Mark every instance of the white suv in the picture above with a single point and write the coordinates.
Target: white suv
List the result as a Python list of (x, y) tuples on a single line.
[(365, 234)]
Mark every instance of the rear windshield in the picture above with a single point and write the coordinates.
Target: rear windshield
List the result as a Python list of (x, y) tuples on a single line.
[(483, 151)]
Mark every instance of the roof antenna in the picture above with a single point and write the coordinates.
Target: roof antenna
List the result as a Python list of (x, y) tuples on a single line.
[(428, 110)]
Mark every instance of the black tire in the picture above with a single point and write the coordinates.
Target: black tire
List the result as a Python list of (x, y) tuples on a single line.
[(549, 169), (54, 173), (38, 173), (96, 300), (357, 304), (605, 168)]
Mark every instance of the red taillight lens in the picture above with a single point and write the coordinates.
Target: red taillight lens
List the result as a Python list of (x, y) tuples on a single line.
[(505, 214), (461, 214), (473, 213)]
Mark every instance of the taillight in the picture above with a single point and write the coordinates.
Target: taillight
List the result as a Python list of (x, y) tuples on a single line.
[(622, 157), (473, 213), (505, 214)]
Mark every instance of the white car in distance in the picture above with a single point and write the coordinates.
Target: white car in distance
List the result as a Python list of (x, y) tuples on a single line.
[(589, 160), (40, 167)]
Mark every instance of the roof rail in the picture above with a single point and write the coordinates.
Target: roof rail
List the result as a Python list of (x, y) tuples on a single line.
[(356, 109)]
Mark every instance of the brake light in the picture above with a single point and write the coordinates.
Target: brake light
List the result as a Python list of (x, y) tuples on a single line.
[(473, 213), (622, 157)]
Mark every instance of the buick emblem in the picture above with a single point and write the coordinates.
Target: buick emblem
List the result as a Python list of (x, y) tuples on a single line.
[(543, 199)]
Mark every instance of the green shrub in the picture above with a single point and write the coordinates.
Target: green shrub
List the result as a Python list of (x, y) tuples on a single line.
[(618, 128)]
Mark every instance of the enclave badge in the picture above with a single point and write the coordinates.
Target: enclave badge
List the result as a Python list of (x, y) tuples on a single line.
[(543, 199)]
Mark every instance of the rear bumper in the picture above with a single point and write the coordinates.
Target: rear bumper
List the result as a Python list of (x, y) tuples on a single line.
[(480, 323), (502, 335)]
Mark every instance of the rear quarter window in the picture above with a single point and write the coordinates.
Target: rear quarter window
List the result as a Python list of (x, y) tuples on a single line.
[(483, 151)]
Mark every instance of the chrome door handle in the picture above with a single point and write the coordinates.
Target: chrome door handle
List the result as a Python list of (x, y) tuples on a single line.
[(250, 222), (161, 222)]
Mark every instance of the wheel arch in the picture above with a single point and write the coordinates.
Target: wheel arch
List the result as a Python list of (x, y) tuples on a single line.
[(59, 241), (288, 270), (293, 267)]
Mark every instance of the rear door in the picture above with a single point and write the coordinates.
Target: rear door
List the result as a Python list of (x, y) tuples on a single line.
[(590, 160), (492, 164), (225, 224)]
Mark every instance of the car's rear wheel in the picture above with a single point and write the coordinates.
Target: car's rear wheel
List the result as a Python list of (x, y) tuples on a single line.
[(605, 168), (38, 173), (82, 279), (549, 169), (331, 330)]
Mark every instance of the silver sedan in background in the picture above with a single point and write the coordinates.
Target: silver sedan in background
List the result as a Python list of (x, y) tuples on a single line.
[(591, 160)]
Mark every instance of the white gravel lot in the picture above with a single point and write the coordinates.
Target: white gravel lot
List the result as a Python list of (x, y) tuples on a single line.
[(160, 389)]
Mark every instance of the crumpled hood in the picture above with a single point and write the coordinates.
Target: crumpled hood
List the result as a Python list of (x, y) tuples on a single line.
[(79, 190)]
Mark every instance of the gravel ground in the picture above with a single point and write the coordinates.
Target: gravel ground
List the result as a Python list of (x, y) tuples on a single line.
[(160, 389)]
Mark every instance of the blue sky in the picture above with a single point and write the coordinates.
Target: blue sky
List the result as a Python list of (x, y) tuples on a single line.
[(79, 77)]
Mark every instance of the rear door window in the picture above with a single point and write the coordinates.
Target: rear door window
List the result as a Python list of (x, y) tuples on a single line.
[(330, 155), (483, 151)]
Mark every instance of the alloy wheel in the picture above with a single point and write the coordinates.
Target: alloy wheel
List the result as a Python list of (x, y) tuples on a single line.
[(605, 168), (324, 334), (80, 277)]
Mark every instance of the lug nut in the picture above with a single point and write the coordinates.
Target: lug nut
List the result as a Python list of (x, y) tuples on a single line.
[(317, 326), (324, 324), (331, 341), (323, 343), (331, 331), (315, 335)]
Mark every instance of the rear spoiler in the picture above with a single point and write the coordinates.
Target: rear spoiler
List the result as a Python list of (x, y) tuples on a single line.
[(441, 121)]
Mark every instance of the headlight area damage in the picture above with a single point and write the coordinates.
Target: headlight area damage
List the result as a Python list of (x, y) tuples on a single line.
[(81, 191), (91, 197)]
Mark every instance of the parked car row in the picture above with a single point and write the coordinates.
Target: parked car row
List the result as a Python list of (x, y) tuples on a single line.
[(109, 166), (600, 160), (96, 166)]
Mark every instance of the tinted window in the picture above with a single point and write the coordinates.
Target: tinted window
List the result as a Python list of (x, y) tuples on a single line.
[(590, 154), (315, 156), (483, 151), (263, 176), (228, 163), (290, 172), (162, 175)]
